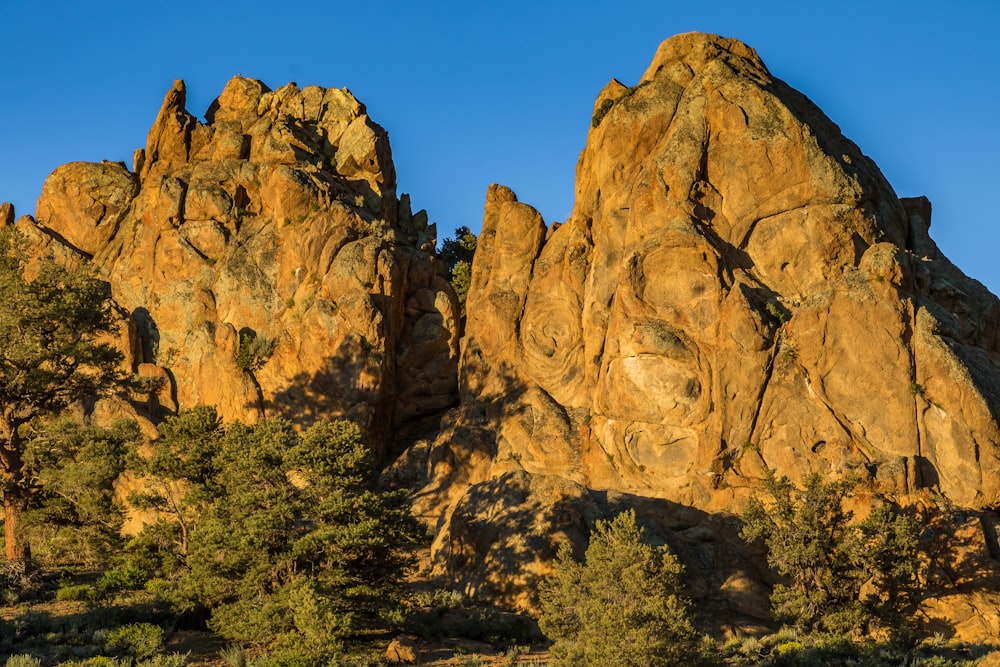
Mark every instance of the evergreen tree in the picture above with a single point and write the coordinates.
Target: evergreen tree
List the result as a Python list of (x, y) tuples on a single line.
[(462, 248), (457, 254), (828, 560), (290, 545), (622, 606), (51, 354), (180, 481), (75, 468)]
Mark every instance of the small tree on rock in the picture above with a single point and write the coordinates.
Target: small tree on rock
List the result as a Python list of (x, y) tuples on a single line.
[(622, 606), (457, 255)]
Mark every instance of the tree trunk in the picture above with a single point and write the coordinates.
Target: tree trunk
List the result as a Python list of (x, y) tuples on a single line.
[(15, 495), (17, 549)]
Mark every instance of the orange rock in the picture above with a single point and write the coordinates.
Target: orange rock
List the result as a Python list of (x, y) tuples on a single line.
[(275, 220), (737, 290)]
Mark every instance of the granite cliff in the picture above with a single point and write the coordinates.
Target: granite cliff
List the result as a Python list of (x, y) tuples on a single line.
[(264, 262), (738, 290)]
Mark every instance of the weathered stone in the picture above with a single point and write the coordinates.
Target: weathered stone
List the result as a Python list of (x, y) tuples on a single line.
[(6, 214), (737, 291), (83, 204), (246, 227), (169, 141), (736, 285)]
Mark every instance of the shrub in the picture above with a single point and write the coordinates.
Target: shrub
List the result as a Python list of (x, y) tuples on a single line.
[(621, 606), (23, 660), (234, 656), (253, 352), (457, 255), (602, 111), (76, 593), (139, 640), (461, 281), (105, 661), (165, 660), (125, 577)]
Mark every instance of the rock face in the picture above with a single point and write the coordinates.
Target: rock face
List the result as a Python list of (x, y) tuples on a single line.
[(737, 290), (264, 261)]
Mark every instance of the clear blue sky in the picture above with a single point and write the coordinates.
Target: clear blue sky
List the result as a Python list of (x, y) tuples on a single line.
[(480, 92)]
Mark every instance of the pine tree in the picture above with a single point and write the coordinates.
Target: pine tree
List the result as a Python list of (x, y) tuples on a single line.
[(828, 559), (457, 254), (51, 354), (290, 544), (622, 606), (75, 469)]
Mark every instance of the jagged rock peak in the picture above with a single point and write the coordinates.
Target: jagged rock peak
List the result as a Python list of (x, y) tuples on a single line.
[(326, 126), (6, 214), (274, 221)]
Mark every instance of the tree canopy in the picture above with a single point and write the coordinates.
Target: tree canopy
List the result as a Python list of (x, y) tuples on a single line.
[(457, 254), (76, 510), (288, 542), (53, 351), (828, 559)]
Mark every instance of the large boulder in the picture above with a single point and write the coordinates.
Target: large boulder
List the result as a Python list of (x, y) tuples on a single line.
[(738, 289)]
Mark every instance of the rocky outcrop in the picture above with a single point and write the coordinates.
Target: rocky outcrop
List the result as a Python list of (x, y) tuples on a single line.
[(264, 261), (6, 214), (738, 290)]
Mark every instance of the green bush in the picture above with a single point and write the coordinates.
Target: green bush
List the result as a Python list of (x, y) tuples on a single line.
[(164, 660), (125, 577), (138, 640), (79, 592), (602, 111), (234, 656), (789, 649), (105, 661), (457, 255), (253, 352), (461, 281), (622, 606), (442, 598)]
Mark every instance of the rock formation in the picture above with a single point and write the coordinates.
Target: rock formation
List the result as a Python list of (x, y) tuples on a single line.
[(264, 261), (738, 290)]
